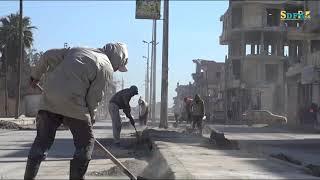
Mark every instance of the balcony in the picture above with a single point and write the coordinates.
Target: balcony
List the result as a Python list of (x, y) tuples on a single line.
[(313, 59)]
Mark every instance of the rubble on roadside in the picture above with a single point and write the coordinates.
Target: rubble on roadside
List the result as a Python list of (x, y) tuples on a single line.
[(12, 125)]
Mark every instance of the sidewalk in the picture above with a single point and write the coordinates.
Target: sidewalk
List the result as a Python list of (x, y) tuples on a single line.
[(297, 145), (191, 157)]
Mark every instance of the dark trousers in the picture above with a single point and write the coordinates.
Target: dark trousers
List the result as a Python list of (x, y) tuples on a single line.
[(197, 120), (47, 124)]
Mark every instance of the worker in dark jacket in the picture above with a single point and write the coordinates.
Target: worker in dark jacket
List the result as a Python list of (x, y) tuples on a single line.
[(197, 110), (121, 101)]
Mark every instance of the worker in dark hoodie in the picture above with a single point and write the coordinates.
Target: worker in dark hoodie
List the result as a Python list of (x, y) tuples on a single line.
[(74, 84), (121, 100), (197, 110)]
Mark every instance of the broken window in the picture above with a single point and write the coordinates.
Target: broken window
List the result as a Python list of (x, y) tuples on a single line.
[(286, 51), (273, 17), (269, 49), (248, 49), (272, 72), (236, 17), (236, 68)]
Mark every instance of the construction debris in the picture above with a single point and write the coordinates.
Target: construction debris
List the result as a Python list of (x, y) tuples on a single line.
[(315, 169), (11, 125), (135, 166), (221, 141)]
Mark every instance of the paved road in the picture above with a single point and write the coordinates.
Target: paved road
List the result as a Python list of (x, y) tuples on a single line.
[(202, 160), (15, 145), (192, 155)]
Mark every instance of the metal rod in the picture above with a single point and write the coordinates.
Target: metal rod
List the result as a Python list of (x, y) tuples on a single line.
[(20, 60), (164, 82)]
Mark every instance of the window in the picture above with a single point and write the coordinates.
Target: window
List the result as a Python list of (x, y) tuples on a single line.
[(272, 72), (286, 51), (273, 17), (218, 74)]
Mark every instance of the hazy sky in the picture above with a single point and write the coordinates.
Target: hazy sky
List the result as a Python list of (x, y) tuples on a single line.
[(194, 30)]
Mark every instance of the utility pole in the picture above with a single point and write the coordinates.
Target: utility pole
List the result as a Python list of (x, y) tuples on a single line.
[(20, 60), (164, 82), (151, 75), (147, 78), (122, 83), (5, 81), (154, 43)]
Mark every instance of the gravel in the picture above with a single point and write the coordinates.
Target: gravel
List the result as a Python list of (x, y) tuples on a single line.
[(11, 125), (134, 166)]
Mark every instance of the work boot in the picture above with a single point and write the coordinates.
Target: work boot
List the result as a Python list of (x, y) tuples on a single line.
[(78, 169), (32, 169)]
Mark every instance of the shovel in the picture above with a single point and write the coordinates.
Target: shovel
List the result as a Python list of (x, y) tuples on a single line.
[(113, 159), (117, 162)]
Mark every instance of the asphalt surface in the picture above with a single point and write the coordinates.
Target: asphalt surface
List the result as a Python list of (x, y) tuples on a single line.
[(186, 155)]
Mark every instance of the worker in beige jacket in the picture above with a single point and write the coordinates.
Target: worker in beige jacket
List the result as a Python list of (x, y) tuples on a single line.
[(73, 86)]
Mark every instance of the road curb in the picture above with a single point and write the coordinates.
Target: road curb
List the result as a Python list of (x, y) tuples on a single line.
[(256, 149), (171, 166), (176, 168)]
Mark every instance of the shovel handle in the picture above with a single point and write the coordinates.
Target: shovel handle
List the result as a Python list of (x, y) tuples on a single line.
[(116, 161)]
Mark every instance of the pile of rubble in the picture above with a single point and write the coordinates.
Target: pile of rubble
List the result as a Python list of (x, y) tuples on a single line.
[(9, 125)]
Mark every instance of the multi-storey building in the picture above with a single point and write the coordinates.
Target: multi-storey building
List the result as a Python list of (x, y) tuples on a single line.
[(261, 47)]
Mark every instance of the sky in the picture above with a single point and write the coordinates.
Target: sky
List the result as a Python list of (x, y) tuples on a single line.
[(194, 30)]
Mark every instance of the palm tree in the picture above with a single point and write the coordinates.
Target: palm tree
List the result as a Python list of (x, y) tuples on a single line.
[(9, 36), (10, 43)]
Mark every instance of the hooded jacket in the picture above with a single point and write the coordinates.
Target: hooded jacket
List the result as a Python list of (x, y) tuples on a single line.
[(197, 107), (75, 79), (143, 107)]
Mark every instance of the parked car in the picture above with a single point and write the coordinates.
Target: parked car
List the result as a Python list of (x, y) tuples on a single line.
[(263, 117)]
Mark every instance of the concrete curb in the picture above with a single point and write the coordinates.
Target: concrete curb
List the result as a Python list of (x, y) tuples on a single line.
[(176, 168), (256, 149)]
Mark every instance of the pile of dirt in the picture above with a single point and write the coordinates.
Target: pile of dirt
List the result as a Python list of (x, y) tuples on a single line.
[(9, 125), (287, 158), (315, 169), (134, 166), (222, 142)]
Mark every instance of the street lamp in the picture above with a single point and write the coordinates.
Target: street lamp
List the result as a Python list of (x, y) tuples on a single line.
[(148, 99), (147, 80)]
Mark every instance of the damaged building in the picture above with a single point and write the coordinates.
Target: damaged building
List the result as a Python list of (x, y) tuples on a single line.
[(209, 84), (182, 92), (302, 77), (261, 48)]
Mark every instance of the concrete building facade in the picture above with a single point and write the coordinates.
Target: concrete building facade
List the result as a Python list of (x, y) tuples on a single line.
[(261, 47), (209, 84), (303, 78)]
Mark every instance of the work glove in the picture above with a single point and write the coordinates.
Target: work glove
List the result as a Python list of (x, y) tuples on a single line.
[(33, 82)]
